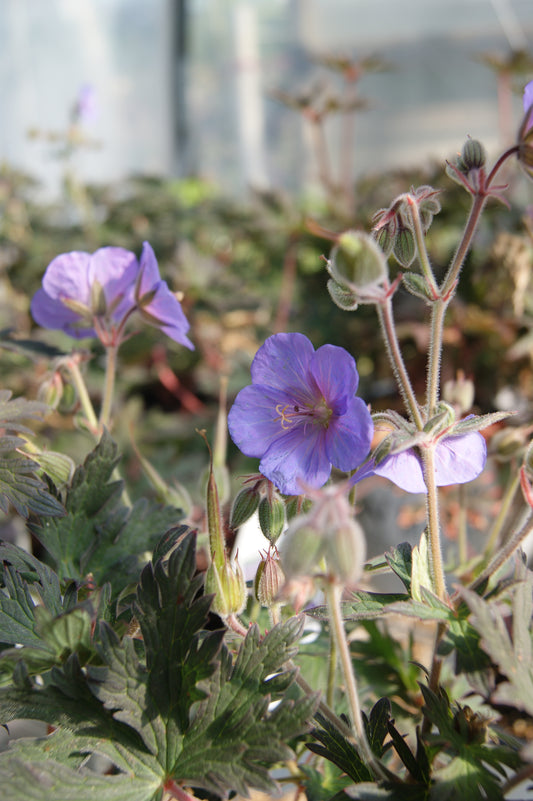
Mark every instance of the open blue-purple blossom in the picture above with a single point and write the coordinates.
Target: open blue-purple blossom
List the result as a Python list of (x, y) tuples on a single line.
[(92, 294), (458, 460), (300, 415), (78, 288), (156, 303)]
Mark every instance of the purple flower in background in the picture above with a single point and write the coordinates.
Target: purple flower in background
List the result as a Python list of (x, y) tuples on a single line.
[(156, 303), (528, 107), (458, 459), (300, 415), (83, 291), (86, 107)]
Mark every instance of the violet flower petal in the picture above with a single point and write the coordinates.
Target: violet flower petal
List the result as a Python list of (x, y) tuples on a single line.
[(116, 270), (283, 362), (294, 461), (67, 276), (336, 376), (458, 460), (252, 420), (164, 309), (349, 436), (52, 313), (403, 469)]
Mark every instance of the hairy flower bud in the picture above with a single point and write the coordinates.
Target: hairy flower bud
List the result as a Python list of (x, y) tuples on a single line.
[(404, 248), (272, 518), (244, 505), (269, 579), (442, 419), (473, 156), (302, 547), (357, 261), (345, 552), (327, 539), (417, 285), (227, 584), (51, 390)]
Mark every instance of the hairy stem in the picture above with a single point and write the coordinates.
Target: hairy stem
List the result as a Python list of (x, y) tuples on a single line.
[(386, 319), (454, 269), (432, 508), (434, 356), (420, 239), (333, 593), (109, 386)]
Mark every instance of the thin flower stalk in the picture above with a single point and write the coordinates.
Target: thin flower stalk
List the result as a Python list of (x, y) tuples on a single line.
[(423, 256), (109, 387), (73, 367), (432, 507), (333, 594), (386, 319)]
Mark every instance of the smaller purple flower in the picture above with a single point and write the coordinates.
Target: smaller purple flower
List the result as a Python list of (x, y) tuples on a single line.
[(156, 303), (82, 290), (300, 415), (528, 107), (458, 460)]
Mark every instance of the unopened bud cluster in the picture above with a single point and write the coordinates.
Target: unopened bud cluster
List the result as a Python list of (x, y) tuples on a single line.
[(325, 540)]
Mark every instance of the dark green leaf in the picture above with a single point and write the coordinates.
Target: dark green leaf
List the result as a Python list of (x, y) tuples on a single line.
[(99, 534), (337, 749)]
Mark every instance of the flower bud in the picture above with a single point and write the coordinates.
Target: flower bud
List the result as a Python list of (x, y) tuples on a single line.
[(268, 580), (404, 249), (473, 156), (417, 285), (227, 584), (297, 505), (357, 261), (51, 391), (272, 517), (508, 443), (459, 392), (443, 418), (244, 505), (345, 552), (302, 547)]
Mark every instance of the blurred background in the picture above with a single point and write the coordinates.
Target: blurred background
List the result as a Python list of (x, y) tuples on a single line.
[(191, 87), (233, 135)]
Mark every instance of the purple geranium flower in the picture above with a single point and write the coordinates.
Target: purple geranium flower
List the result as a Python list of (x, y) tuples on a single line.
[(458, 459), (79, 289), (156, 303), (300, 415)]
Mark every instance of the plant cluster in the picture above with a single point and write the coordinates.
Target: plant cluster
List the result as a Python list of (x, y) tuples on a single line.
[(129, 628)]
